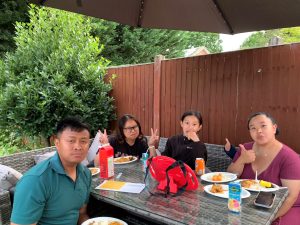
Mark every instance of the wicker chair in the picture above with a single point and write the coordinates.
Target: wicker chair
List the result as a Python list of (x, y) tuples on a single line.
[(217, 160), (162, 144), (5, 207), (20, 162)]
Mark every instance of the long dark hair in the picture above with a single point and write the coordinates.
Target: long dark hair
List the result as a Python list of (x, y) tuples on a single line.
[(263, 114), (121, 124), (193, 113)]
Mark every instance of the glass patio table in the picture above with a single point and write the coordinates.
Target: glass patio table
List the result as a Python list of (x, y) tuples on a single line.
[(191, 207)]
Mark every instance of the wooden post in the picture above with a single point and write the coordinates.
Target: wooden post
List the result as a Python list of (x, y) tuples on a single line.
[(275, 40), (157, 88)]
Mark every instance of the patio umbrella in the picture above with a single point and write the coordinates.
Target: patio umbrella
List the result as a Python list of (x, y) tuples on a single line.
[(219, 16)]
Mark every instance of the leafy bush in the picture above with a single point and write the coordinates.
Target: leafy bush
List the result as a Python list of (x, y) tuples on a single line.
[(13, 142), (56, 70), (7, 143)]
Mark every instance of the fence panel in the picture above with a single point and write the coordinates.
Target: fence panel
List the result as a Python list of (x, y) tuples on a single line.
[(226, 88), (133, 93)]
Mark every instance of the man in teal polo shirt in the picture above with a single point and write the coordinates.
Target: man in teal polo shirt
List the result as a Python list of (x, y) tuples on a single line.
[(57, 190)]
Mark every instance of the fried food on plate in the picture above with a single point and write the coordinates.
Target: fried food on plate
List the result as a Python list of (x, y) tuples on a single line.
[(248, 183), (217, 188), (105, 223), (115, 223), (93, 170), (217, 177), (124, 159)]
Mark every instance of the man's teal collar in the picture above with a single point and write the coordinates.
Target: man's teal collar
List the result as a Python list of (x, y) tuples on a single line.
[(56, 164)]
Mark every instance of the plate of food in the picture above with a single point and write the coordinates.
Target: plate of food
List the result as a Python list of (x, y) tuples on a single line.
[(221, 190), (125, 159), (94, 170), (104, 221), (218, 177), (257, 185)]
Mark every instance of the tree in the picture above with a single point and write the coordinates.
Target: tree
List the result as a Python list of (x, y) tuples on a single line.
[(259, 39), (56, 70), (127, 45), (262, 38), (290, 35), (11, 11)]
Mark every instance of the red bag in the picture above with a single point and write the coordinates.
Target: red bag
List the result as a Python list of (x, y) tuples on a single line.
[(173, 176)]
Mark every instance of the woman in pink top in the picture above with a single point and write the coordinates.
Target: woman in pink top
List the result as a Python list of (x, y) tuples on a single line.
[(273, 161)]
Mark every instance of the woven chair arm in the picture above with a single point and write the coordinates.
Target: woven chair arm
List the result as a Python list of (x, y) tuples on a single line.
[(5, 207), (217, 160)]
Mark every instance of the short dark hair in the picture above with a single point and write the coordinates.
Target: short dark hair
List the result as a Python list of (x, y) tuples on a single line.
[(268, 115), (193, 113), (72, 122)]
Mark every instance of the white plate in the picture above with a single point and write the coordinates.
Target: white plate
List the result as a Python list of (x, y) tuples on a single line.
[(120, 163), (258, 188), (207, 188), (104, 220), (94, 170), (226, 177)]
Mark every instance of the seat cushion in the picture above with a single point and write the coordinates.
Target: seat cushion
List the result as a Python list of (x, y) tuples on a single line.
[(8, 177), (42, 157)]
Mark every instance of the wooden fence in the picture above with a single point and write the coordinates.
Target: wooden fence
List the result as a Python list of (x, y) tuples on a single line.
[(226, 88)]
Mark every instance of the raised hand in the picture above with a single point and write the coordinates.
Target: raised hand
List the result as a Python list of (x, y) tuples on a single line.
[(153, 138), (248, 156), (191, 135), (103, 139), (227, 145)]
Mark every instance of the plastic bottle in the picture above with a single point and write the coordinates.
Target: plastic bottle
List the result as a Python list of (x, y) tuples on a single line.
[(106, 161), (144, 159)]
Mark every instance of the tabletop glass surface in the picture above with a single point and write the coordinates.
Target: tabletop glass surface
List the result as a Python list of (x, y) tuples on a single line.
[(191, 207)]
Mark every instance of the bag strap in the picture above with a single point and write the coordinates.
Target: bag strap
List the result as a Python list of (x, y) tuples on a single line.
[(172, 166), (183, 169)]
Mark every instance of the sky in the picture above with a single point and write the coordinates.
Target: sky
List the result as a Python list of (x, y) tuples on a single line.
[(233, 42), (229, 42)]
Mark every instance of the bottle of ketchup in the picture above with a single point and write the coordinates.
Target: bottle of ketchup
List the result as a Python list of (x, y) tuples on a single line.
[(106, 161)]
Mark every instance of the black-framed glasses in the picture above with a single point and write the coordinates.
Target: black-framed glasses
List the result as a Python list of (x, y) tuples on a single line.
[(129, 129)]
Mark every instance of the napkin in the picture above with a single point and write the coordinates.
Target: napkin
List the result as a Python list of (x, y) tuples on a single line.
[(121, 186), (94, 148)]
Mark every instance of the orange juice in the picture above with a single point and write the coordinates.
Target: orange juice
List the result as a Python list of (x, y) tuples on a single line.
[(106, 161)]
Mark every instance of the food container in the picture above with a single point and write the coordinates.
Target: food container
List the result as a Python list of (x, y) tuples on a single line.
[(106, 161), (234, 198)]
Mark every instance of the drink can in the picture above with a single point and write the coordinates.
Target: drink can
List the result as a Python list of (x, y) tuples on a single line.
[(199, 166)]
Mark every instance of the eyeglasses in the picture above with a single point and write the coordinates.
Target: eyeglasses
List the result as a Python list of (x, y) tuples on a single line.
[(129, 129)]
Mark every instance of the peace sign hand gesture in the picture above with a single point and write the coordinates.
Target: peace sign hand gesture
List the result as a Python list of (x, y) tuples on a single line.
[(153, 138), (103, 139)]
